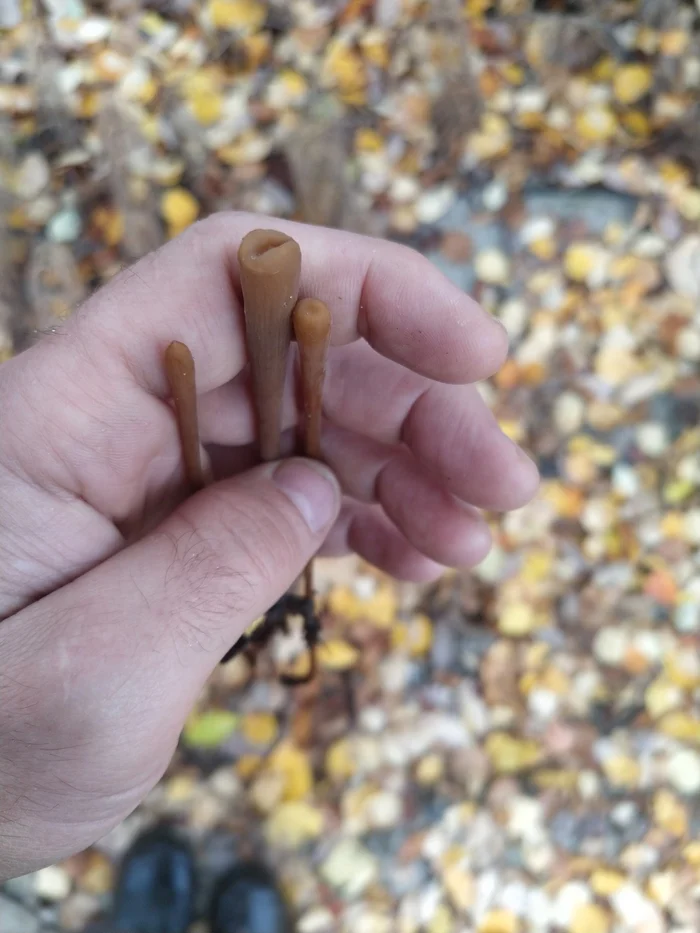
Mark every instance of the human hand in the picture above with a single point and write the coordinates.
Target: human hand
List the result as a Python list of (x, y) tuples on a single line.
[(117, 602)]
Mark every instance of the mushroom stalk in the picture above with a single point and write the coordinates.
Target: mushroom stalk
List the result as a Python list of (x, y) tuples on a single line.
[(312, 329), (179, 366), (270, 266)]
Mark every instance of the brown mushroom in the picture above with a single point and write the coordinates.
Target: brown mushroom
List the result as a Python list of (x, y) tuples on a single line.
[(270, 266), (179, 367), (312, 329)]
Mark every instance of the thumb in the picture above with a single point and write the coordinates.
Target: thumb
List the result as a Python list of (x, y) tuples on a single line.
[(165, 610), (223, 558), (110, 664)]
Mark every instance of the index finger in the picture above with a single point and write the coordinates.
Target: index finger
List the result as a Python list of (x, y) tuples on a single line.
[(389, 294)]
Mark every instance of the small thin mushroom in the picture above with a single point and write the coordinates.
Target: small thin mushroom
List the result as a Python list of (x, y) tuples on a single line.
[(270, 267), (312, 329), (179, 367)]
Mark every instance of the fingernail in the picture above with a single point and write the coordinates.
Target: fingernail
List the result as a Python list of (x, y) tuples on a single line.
[(312, 488)]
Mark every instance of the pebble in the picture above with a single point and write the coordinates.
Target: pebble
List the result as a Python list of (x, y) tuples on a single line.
[(652, 438), (571, 897), (225, 783), (14, 918), (569, 410), (207, 811), (349, 868), (432, 205), (77, 910), (492, 267), (661, 697), (384, 810), (40, 209), (683, 771), (316, 920), (293, 824), (683, 267), (636, 910), (686, 618), (10, 14), (625, 480), (32, 176), (632, 82), (65, 226), (52, 883), (611, 644), (404, 190), (590, 918), (373, 719), (543, 704), (688, 344), (495, 195), (514, 315), (97, 876), (499, 920), (93, 29)]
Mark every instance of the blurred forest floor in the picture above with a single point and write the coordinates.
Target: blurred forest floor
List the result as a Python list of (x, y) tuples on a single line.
[(516, 750)]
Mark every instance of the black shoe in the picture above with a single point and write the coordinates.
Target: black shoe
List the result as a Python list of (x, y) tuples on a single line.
[(156, 887), (247, 900)]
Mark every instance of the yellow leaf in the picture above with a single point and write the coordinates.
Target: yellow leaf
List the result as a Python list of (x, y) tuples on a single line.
[(241, 15), (590, 918), (637, 123), (669, 813), (605, 882), (206, 107), (683, 670), (337, 655), (622, 771), (499, 920), (459, 885), (516, 620), (442, 920), (259, 728), (581, 260), (380, 608), (420, 635), (661, 697), (681, 726), (210, 729), (179, 208), (554, 779), (367, 140), (340, 762), (509, 755), (632, 82), (691, 853), (375, 48), (597, 124), (344, 69), (295, 767), (293, 824), (247, 766), (430, 769)]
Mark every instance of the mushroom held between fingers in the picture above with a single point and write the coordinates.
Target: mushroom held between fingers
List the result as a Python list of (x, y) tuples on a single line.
[(179, 367), (312, 329), (270, 267)]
